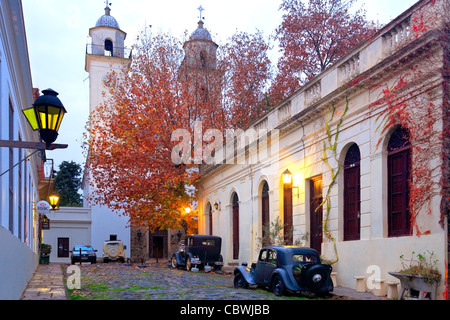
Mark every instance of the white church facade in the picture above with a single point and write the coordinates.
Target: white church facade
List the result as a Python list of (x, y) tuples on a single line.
[(349, 193)]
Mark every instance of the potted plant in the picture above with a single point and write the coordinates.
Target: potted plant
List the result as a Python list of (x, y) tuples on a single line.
[(44, 257), (419, 276), (46, 248)]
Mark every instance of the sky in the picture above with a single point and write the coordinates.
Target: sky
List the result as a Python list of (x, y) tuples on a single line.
[(57, 32)]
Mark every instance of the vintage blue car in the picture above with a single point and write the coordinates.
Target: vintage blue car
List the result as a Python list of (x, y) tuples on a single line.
[(282, 268)]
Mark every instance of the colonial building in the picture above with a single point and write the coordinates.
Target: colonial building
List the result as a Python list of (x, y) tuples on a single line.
[(353, 139), (19, 186)]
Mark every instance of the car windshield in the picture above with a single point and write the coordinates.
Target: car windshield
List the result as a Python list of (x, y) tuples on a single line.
[(304, 258), (208, 243), (113, 244), (84, 248)]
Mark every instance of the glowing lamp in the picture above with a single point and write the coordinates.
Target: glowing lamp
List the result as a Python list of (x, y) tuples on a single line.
[(46, 115)]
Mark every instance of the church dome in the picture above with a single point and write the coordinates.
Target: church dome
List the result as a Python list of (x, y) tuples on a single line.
[(107, 20), (201, 33)]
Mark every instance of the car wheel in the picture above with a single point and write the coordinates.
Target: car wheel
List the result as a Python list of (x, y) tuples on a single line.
[(174, 262), (240, 282), (278, 287), (188, 264)]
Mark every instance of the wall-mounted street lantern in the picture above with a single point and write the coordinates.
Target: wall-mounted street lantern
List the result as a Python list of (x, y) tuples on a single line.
[(46, 116), (288, 181), (54, 200), (287, 177)]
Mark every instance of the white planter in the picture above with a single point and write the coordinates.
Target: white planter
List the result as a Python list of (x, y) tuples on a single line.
[(417, 283)]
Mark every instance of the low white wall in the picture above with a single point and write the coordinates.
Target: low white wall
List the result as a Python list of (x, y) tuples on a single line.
[(17, 265), (355, 257)]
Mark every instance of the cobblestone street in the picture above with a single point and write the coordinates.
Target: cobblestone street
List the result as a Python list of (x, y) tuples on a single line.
[(117, 281)]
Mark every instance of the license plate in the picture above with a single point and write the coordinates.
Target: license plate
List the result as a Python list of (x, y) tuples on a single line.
[(219, 263)]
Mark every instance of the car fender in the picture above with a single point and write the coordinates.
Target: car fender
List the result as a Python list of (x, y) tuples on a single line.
[(246, 273), (180, 259), (290, 285)]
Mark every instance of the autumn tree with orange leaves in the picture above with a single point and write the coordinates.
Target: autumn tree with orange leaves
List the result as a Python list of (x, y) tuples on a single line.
[(312, 36), (131, 135)]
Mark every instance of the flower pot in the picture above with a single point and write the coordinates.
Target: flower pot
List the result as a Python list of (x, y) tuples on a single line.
[(413, 283)]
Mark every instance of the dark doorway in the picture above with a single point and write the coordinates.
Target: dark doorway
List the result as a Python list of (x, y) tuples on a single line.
[(316, 213), (287, 215), (235, 227), (158, 247), (352, 194), (210, 220), (265, 208), (158, 244), (399, 154), (63, 247)]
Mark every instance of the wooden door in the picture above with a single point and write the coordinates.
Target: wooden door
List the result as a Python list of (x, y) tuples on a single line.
[(398, 193), (235, 227), (265, 209), (288, 221), (352, 203), (63, 247), (316, 214), (210, 221)]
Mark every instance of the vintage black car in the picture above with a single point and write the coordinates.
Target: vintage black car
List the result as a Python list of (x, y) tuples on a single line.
[(200, 251), (285, 268), (88, 254)]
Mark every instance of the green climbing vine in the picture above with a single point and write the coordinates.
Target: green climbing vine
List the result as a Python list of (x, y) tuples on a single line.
[(330, 145)]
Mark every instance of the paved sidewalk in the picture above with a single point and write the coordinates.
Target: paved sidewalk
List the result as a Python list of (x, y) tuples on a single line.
[(46, 284), (353, 294)]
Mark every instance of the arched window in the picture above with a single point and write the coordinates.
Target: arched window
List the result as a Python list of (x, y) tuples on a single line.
[(352, 194), (265, 216), (203, 59), (399, 162), (235, 226), (109, 47)]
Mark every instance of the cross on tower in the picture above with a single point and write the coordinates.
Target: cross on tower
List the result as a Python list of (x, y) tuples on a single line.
[(107, 3), (201, 10)]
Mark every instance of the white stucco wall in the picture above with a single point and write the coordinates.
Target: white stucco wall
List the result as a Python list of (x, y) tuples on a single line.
[(17, 265)]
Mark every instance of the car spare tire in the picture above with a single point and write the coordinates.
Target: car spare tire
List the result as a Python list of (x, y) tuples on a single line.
[(315, 276), (112, 252)]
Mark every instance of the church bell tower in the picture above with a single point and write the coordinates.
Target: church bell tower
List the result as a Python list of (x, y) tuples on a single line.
[(105, 54)]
